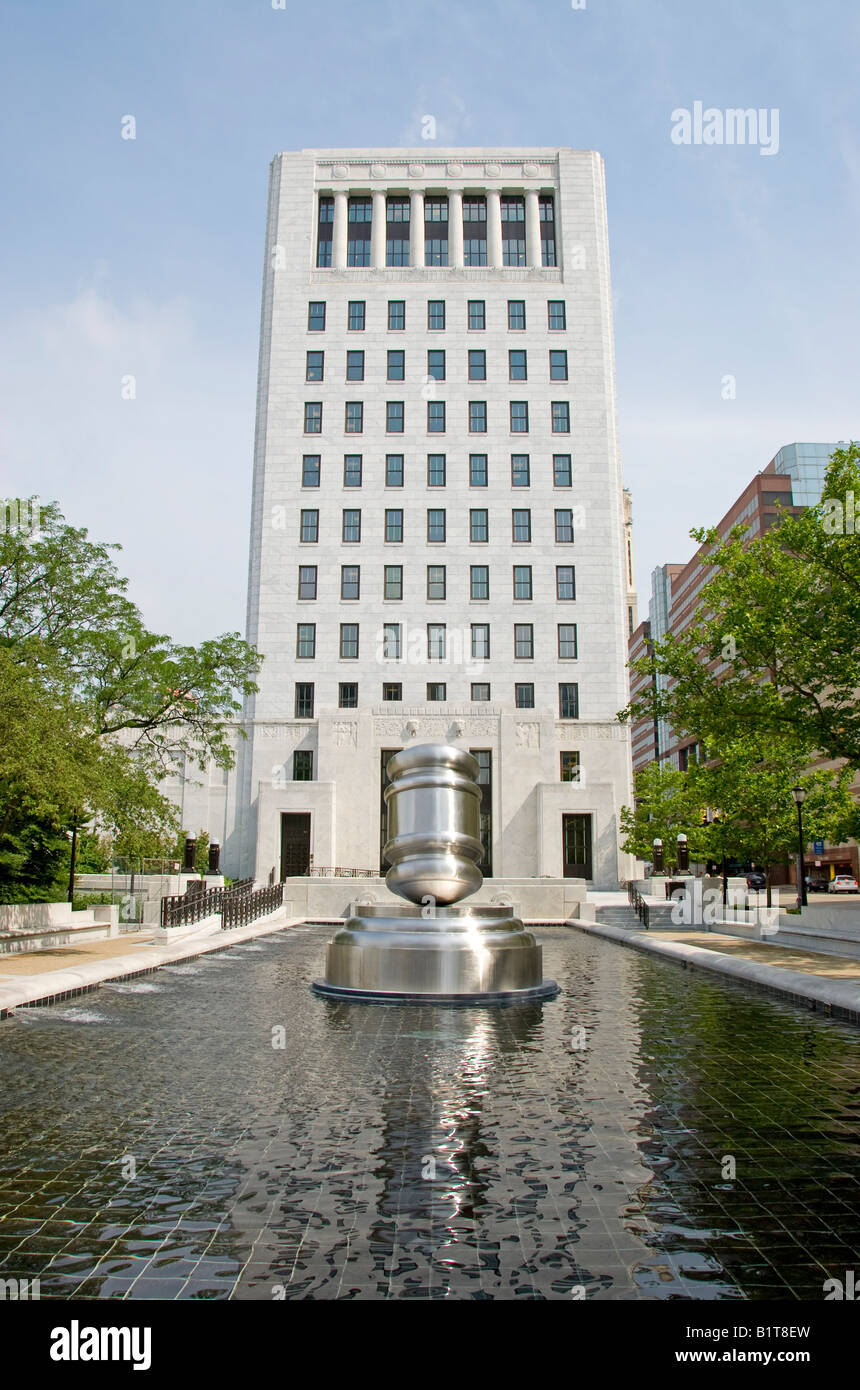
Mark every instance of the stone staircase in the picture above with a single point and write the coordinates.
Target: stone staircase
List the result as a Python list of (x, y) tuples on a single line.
[(624, 917)]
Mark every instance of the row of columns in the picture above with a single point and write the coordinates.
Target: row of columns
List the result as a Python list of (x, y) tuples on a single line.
[(378, 232)]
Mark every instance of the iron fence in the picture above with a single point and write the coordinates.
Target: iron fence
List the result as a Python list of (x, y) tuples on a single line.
[(638, 903), (238, 909)]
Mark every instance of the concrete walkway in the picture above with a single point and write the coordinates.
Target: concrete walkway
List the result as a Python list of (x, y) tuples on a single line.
[(61, 972)]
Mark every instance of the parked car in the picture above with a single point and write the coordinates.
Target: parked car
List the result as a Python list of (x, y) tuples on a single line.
[(842, 883), (756, 879), (817, 885)]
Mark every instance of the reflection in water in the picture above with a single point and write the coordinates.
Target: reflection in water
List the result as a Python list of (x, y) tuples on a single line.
[(562, 1149)]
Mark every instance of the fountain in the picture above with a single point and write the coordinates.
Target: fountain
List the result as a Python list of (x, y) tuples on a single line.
[(432, 950)]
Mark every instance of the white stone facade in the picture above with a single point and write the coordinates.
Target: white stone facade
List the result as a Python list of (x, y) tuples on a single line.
[(528, 799)]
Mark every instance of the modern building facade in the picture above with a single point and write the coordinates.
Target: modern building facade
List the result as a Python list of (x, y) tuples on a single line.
[(440, 541)]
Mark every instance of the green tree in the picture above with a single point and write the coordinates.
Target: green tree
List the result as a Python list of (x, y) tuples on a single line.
[(773, 650), (666, 804), (750, 786), (94, 709)]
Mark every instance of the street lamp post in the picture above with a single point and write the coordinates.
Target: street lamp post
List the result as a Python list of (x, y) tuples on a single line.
[(658, 856), (799, 794), (683, 854)]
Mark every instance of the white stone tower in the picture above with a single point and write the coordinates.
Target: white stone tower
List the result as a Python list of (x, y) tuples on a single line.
[(438, 538)]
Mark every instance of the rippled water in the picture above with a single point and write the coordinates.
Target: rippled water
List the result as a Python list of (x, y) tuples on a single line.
[(155, 1143)]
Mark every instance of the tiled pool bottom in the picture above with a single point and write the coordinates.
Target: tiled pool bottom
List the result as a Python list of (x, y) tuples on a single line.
[(156, 1141)]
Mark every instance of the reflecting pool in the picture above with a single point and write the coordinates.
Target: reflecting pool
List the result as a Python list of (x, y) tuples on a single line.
[(214, 1130)]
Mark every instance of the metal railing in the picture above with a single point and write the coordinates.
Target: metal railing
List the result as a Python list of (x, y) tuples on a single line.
[(239, 909), (190, 907), (199, 901), (638, 903)]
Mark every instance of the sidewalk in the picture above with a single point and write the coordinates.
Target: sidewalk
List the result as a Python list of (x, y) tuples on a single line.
[(61, 972)]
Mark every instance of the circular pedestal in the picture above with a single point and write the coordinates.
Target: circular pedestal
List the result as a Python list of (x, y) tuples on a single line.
[(458, 955)]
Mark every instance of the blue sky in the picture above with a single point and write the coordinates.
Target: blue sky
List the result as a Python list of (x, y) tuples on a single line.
[(145, 256)]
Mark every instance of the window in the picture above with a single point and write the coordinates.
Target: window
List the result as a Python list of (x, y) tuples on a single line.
[(393, 470), (396, 315), (393, 582), (309, 529), (564, 526), (391, 648), (396, 364), (480, 692), (570, 767), (436, 641), (480, 641), (557, 315), (560, 417), (316, 316), (436, 581), (565, 582), (349, 641), (347, 695), (397, 231), (477, 313), (568, 702), (513, 230), (524, 641), (516, 315), (477, 470), (359, 216), (562, 472), (436, 314), (436, 364), (307, 581), (524, 696), (311, 470), (520, 470), (477, 417), (306, 641), (519, 417), (303, 765), (394, 417), (351, 534), (479, 525), (435, 417), (521, 525), (478, 365), (567, 641), (518, 364), (352, 470), (349, 581), (314, 366), (394, 525), (355, 366), (479, 585), (522, 582), (474, 231), (436, 690), (354, 417), (313, 417), (392, 690), (355, 316), (436, 231), (558, 365), (304, 706), (435, 470), (435, 524), (547, 229)]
